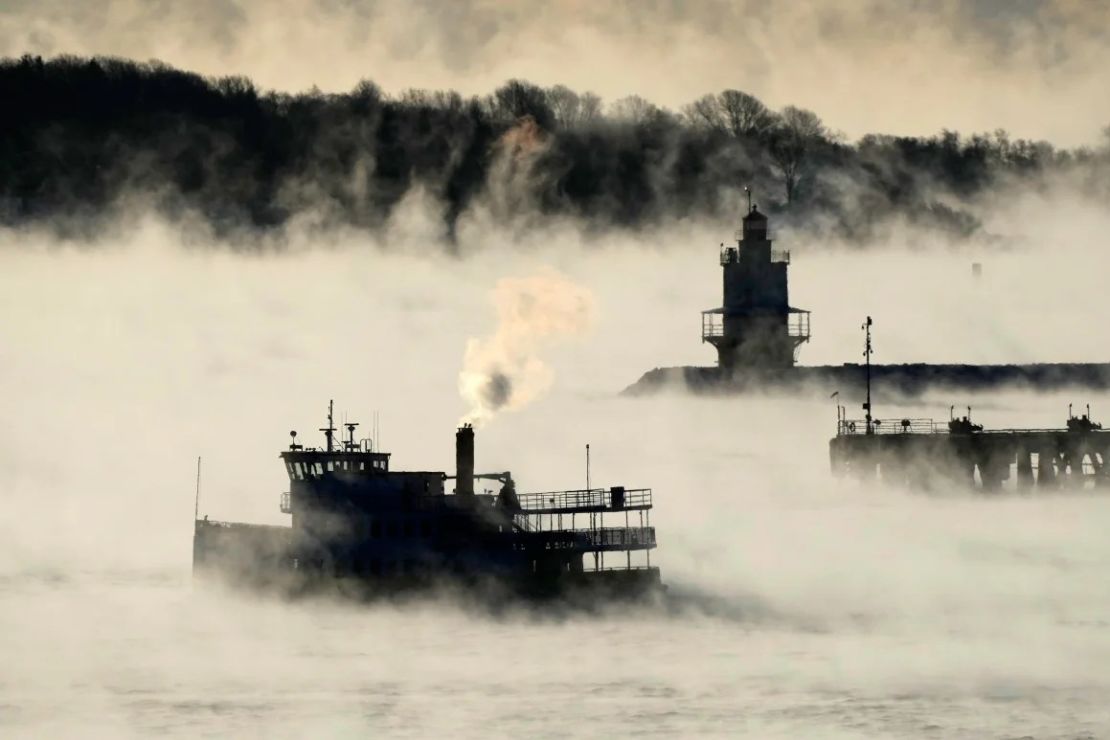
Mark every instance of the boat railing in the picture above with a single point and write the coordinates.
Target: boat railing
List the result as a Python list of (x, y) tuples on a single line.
[(712, 324), (240, 526), (621, 537), (591, 499), (857, 427), (596, 539), (797, 325), (850, 427)]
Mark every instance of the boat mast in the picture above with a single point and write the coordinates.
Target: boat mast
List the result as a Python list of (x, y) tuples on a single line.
[(329, 430)]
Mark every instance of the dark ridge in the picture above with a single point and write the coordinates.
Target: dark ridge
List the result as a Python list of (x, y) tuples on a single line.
[(895, 380), (85, 140)]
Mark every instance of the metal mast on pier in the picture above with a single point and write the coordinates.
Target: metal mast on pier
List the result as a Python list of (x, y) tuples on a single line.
[(867, 353)]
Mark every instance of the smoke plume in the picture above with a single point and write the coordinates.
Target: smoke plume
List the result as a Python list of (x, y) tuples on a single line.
[(504, 371)]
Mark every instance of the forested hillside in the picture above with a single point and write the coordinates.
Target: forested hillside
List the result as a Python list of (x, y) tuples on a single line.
[(83, 139)]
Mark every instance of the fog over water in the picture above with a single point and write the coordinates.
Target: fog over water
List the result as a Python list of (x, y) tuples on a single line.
[(805, 606)]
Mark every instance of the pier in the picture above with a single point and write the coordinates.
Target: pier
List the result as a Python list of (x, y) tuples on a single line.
[(923, 453)]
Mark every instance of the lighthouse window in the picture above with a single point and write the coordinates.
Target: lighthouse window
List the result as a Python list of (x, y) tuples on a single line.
[(408, 529), (376, 529)]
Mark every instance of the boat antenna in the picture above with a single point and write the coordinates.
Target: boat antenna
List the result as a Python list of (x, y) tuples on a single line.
[(867, 354), (196, 498), (748, 191), (350, 445)]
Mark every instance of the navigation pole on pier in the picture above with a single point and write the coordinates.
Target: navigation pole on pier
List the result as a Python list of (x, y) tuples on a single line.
[(867, 354)]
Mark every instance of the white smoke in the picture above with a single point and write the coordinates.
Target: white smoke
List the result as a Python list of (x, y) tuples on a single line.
[(504, 370)]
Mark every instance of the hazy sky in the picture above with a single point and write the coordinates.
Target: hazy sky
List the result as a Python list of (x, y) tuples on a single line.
[(1034, 67)]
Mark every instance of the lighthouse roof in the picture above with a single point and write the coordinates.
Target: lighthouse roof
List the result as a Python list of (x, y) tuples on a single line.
[(755, 215)]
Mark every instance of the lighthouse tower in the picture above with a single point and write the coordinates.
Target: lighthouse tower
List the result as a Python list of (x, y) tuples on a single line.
[(755, 328)]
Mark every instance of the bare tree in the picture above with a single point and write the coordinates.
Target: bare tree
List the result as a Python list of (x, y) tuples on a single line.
[(705, 112), (570, 108), (589, 107), (733, 112), (565, 104), (636, 109), (744, 115), (366, 97), (516, 99), (792, 142), (440, 99)]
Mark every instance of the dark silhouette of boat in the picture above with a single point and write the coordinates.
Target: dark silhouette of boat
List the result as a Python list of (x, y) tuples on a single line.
[(367, 530)]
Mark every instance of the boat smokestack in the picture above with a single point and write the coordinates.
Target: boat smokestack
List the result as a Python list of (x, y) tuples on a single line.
[(464, 460)]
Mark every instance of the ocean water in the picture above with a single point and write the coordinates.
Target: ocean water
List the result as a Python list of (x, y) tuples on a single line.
[(139, 654), (799, 605)]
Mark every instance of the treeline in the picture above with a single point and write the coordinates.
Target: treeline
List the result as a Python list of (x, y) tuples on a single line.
[(82, 140)]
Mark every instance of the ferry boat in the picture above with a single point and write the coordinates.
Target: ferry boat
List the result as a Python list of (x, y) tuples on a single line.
[(368, 530)]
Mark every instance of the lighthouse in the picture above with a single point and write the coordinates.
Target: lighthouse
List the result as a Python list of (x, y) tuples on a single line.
[(755, 328)]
